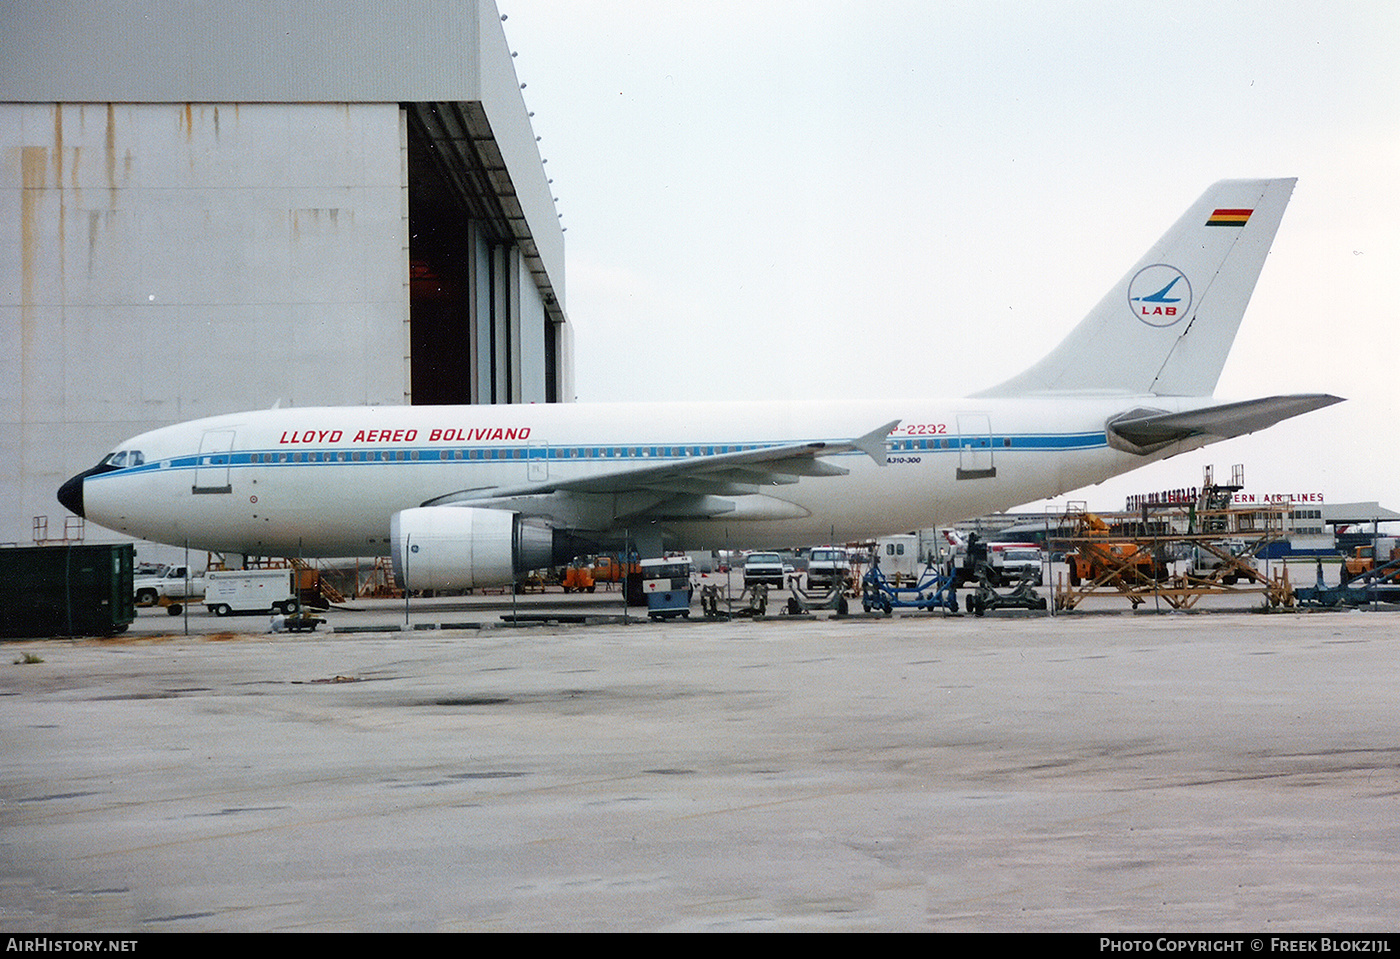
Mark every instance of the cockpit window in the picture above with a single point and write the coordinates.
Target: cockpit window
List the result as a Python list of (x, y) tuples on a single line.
[(123, 458)]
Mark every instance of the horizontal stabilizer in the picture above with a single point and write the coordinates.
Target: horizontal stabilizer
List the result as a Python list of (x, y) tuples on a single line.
[(872, 444), (1147, 431)]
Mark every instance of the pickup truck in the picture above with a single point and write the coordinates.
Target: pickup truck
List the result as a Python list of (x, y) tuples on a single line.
[(765, 568), (173, 583), (1206, 565)]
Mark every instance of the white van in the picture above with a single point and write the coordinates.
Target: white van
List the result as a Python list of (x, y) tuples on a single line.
[(828, 567), (899, 556)]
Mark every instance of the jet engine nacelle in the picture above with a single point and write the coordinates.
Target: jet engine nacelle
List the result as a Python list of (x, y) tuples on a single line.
[(460, 547)]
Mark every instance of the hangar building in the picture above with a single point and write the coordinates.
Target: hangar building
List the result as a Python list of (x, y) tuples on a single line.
[(210, 207)]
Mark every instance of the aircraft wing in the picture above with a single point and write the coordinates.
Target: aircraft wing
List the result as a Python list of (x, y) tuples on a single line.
[(1146, 431), (695, 480)]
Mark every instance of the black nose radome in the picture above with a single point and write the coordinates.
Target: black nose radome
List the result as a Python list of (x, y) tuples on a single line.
[(70, 494)]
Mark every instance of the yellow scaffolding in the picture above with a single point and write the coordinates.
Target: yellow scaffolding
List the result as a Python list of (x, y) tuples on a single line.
[(1135, 555)]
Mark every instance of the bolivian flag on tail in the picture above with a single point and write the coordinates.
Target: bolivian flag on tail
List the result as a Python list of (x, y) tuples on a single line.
[(1229, 218)]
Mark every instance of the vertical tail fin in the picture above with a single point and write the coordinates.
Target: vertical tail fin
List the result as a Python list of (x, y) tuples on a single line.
[(1167, 326)]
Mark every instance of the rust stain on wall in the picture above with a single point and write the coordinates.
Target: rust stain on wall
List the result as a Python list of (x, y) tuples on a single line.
[(110, 149), (34, 166), (62, 198), (58, 144)]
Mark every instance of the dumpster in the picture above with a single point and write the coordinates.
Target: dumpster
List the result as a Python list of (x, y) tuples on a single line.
[(79, 590)]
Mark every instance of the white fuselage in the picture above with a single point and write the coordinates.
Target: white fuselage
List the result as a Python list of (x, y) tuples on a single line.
[(326, 481)]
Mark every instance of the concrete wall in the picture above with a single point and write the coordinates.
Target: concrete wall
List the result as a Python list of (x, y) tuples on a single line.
[(170, 261)]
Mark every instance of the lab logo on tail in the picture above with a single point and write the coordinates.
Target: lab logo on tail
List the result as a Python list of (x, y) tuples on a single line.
[(1160, 295)]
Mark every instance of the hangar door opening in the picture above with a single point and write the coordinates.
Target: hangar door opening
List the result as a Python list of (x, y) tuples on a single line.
[(483, 318), (440, 253)]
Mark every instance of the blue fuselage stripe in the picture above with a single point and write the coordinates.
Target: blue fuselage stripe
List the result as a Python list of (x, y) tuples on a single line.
[(402, 455)]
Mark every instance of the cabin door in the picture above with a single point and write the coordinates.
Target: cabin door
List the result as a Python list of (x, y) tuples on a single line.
[(211, 474), (975, 447)]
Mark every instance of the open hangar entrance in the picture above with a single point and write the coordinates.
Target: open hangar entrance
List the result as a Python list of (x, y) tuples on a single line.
[(485, 324)]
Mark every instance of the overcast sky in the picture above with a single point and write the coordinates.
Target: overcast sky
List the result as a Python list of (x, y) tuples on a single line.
[(815, 199)]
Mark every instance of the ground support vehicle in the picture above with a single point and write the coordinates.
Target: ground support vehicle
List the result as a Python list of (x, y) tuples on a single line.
[(803, 601), (231, 591), (1379, 585), (1022, 596), (752, 602), (1225, 562), (302, 622), (174, 607), (1363, 560), (531, 582), (1099, 559), (828, 567), (934, 588), (173, 583), (764, 568), (578, 578), (1013, 562), (611, 569), (666, 583)]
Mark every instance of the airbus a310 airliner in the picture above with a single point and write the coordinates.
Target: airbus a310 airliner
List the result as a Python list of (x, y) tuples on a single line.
[(473, 495)]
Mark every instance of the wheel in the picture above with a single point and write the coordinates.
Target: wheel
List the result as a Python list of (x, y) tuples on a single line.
[(146, 597), (220, 609), (290, 606), (592, 588), (174, 609)]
